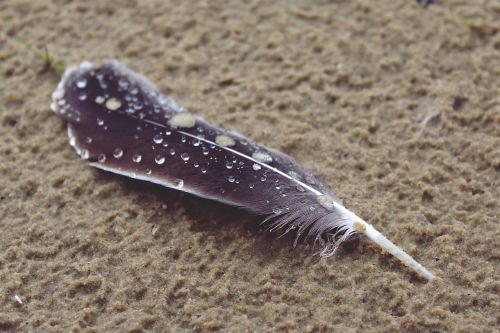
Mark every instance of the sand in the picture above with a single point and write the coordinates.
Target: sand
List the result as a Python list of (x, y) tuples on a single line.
[(394, 104)]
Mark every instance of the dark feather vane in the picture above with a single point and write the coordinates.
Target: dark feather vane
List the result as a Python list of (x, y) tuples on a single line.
[(119, 122)]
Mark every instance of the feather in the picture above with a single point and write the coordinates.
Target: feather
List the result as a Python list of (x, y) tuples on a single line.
[(119, 122)]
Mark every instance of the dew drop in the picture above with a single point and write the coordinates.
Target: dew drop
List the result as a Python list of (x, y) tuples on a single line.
[(137, 105), (137, 158), (277, 211), (171, 152), (196, 165), (88, 139), (159, 159), (100, 121), (263, 178), (262, 156), (183, 139), (81, 83), (185, 157), (178, 183), (256, 167), (158, 138), (101, 158), (231, 179), (204, 150), (149, 171), (229, 165), (117, 153), (113, 104), (99, 99), (182, 119), (196, 142), (326, 201), (82, 96), (224, 140), (168, 132), (123, 83), (85, 154), (203, 170), (251, 185)]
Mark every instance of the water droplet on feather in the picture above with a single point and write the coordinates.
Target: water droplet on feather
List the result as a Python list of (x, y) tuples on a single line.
[(137, 158), (183, 119), (256, 167), (99, 99), (101, 158), (85, 154), (123, 83), (81, 83), (262, 156), (159, 159), (326, 201), (178, 183), (185, 157), (113, 104), (117, 153), (277, 211), (158, 138), (224, 140)]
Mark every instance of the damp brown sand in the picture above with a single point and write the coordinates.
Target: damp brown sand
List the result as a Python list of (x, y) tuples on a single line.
[(393, 104)]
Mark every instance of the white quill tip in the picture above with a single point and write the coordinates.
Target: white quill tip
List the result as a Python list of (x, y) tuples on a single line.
[(367, 229)]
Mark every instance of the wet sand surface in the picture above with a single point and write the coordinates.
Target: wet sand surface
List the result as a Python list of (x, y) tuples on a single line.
[(395, 105)]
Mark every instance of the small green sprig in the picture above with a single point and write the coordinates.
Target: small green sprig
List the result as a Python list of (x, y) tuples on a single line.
[(44, 54), (469, 22)]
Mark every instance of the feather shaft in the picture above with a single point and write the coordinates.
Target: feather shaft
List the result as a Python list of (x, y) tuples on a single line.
[(374, 235)]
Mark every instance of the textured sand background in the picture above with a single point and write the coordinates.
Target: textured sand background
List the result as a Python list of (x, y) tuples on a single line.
[(394, 104)]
